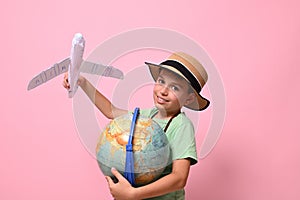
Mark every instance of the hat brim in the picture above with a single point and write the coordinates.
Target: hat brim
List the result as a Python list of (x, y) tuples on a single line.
[(201, 103)]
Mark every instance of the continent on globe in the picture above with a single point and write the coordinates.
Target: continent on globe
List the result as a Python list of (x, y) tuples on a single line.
[(151, 151)]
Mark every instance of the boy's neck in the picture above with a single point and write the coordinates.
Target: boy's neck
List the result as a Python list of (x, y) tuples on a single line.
[(165, 115)]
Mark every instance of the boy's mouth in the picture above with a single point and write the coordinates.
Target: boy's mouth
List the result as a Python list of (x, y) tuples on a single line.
[(161, 100)]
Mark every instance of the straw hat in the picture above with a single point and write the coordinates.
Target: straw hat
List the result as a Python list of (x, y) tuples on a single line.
[(191, 70)]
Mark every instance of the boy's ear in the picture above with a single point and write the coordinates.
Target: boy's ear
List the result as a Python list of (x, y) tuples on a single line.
[(190, 99)]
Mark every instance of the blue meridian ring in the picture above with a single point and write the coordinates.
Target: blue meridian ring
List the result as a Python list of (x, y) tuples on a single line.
[(129, 163)]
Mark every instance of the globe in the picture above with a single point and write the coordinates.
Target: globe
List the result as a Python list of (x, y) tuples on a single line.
[(151, 150)]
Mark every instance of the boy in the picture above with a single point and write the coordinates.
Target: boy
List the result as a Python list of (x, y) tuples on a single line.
[(178, 82)]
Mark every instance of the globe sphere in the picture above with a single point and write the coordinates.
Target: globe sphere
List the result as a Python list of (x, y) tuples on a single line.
[(151, 151)]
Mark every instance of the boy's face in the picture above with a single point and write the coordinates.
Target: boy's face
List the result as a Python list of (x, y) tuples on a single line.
[(171, 92)]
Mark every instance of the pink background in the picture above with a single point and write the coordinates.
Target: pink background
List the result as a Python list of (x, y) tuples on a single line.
[(255, 45)]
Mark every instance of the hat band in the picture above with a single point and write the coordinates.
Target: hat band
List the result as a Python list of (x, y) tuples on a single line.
[(182, 69)]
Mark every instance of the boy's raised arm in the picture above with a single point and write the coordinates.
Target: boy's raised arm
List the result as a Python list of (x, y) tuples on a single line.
[(101, 102)]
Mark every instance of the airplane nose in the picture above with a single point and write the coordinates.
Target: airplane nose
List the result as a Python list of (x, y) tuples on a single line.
[(78, 40), (78, 36)]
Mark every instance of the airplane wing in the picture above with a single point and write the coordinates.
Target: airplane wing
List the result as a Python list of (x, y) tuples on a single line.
[(102, 70), (63, 66), (50, 73)]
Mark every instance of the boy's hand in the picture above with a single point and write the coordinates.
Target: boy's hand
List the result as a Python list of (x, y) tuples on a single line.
[(121, 190), (66, 84)]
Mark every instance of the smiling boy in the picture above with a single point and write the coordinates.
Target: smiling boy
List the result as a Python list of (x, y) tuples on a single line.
[(178, 82)]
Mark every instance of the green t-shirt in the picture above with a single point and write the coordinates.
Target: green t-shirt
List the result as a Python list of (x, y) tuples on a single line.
[(181, 136)]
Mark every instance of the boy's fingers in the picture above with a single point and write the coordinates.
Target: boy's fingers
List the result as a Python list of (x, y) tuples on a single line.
[(66, 77), (116, 174), (109, 180), (66, 84)]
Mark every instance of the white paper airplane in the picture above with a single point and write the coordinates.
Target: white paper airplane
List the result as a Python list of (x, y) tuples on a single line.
[(74, 65)]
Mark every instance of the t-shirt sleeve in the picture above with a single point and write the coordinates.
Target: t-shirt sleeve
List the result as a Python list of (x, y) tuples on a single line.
[(146, 112), (182, 141)]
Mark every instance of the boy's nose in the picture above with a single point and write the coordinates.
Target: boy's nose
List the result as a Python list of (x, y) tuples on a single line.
[(164, 90)]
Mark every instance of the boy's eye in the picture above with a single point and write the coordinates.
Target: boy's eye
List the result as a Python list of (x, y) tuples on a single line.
[(160, 81), (174, 88)]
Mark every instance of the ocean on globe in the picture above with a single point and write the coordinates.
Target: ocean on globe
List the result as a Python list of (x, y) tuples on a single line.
[(151, 151)]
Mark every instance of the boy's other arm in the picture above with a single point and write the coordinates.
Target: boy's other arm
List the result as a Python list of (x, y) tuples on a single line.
[(176, 180), (101, 102)]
